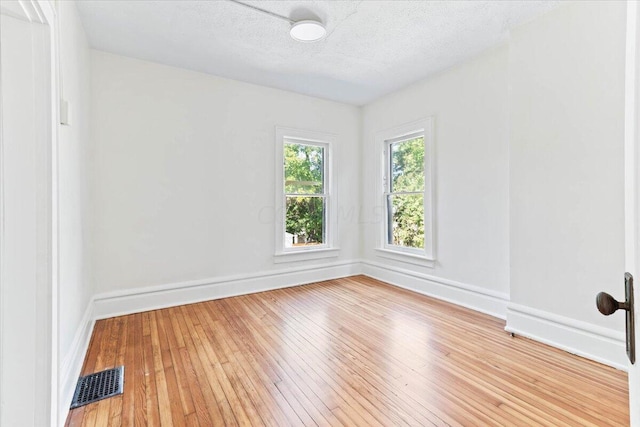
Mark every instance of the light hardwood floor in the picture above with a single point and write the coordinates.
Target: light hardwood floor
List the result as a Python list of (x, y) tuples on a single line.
[(349, 352)]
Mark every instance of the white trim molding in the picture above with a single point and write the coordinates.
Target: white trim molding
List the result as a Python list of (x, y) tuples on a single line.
[(43, 27), (72, 363), (306, 255), (155, 297), (474, 297), (327, 141), (408, 258), (584, 339), (33, 11), (383, 139), (632, 187)]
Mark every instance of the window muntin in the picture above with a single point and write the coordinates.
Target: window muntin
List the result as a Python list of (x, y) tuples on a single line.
[(305, 195), (405, 185)]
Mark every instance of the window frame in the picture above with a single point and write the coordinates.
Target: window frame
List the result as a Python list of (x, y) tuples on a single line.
[(327, 249), (425, 256)]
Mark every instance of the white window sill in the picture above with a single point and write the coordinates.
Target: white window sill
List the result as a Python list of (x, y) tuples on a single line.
[(406, 257), (305, 255)]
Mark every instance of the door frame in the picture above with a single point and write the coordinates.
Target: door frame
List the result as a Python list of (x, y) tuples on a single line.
[(40, 13), (632, 182)]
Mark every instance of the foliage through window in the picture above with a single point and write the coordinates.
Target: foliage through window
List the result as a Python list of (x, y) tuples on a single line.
[(305, 194), (405, 192)]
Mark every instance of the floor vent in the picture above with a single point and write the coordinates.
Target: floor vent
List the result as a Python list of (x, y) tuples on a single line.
[(98, 386)]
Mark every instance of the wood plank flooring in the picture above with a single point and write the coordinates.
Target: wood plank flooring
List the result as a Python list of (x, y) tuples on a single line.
[(352, 352)]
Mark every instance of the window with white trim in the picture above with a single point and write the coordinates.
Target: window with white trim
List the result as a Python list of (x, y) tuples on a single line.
[(305, 220), (407, 190)]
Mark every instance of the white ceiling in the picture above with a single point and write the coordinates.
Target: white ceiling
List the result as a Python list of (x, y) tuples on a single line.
[(372, 47)]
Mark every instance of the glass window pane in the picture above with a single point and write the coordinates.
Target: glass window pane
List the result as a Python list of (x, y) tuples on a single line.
[(406, 220), (407, 165), (304, 221), (303, 169)]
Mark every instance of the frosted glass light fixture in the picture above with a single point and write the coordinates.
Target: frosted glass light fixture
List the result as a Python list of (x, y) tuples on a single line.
[(307, 31)]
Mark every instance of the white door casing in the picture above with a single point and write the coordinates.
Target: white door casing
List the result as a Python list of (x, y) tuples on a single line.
[(632, 186), (28, 214)]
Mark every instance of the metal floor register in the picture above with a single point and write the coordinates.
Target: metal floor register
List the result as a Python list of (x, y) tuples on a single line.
[(98, 386)]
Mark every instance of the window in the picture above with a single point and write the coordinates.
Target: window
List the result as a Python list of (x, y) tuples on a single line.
[(304, 193), (305, 222), (407, 178), (405, 192)]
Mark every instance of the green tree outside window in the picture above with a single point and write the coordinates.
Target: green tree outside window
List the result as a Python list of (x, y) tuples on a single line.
[(304, 192)]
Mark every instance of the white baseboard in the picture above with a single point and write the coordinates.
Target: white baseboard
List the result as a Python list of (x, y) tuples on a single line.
[(584, 339), (155, 297), (476, 298), (72, 363)]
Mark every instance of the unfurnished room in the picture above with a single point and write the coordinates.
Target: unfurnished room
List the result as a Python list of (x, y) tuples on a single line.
[(319, 213)]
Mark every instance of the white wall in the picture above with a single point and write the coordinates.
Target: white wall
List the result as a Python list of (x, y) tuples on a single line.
[(75, 284), (528, 141), (183, 176), (469, 104), (529, 187), (170, 173), (566, 154)]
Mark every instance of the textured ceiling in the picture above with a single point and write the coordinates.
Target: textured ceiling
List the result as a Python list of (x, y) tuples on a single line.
[(372, 47)]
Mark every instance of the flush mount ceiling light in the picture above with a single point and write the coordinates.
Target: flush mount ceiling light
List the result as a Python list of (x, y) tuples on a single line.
[(307, 31)]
